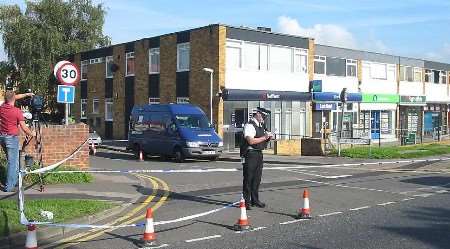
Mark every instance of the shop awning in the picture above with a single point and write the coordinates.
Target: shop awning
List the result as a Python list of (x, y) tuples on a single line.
[(264, 95), (413, 100), (334, 97)]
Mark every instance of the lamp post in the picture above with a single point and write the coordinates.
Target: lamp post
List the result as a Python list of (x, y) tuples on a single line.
[(211, 73)]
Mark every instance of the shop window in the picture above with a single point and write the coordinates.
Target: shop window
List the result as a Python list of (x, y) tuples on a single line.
[(417, 74), (351, 68), (153, 58), (183, 56), (300, 61), (109, 109), (129, 64), (319, 64), (280, 59), (108, 69), (335, 67), (84, 69), (83, 109), (234, 54), (95, 106)]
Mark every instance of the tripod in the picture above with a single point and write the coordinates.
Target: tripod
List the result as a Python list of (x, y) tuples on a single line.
[(35, 123)]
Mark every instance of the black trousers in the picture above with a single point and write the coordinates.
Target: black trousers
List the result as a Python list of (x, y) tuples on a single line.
[(252, 172)]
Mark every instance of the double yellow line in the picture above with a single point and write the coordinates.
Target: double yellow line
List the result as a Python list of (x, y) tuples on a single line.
[(125, 220)]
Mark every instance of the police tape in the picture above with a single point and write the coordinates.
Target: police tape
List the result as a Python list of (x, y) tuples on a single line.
[(240, 169), (55, 165), (142, 224)]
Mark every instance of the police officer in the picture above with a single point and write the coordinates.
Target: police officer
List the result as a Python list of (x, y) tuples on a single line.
[(255, 140)]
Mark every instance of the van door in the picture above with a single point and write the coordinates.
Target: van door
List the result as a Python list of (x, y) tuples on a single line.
[(169, 136)]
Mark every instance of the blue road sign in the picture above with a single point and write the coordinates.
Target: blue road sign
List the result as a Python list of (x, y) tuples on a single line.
[(66, 94)]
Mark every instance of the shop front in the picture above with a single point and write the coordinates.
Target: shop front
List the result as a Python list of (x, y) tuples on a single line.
[(411, 119), (377, 116), (327, 113), (288, 118), (435, 120)]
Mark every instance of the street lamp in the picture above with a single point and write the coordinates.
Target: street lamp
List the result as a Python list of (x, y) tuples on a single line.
[(211, 73)]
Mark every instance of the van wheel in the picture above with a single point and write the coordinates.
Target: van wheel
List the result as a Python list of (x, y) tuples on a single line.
[(178, 155)]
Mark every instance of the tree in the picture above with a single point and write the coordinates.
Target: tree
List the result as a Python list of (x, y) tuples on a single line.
[(46, 32)]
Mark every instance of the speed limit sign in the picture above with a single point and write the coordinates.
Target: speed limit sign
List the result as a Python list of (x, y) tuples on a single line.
[(68, 73)]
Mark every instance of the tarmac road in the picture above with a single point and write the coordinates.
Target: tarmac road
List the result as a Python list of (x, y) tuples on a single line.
[(388, 206)]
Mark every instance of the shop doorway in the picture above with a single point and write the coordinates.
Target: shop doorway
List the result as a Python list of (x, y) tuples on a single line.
[(375, 124)]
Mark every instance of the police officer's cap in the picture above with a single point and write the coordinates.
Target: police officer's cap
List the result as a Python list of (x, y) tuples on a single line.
[(263, 111)]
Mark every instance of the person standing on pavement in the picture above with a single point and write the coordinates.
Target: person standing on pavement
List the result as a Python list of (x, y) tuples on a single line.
[(255, 141), (11, 118)]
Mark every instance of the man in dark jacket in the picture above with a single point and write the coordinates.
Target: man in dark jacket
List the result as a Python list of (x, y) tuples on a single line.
[(255, 141)]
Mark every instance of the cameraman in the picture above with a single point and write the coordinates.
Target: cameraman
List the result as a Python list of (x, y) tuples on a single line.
[(11, 118)]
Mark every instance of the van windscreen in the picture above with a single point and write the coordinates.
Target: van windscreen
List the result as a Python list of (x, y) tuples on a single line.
[(192, 121)]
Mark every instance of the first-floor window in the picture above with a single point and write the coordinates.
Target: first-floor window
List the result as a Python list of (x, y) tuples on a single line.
[(108, 110), (182, 100), (154, 100), (95, 106), (83, 109)]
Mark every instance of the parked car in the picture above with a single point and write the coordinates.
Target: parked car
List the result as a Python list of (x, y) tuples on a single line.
[(173, 130), (94, 138)]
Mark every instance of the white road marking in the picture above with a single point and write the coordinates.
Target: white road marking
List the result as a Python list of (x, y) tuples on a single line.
[(203, 238), (359, 208), (408, 199), (154, 247), (292, 221), (329, 214), (251, 230), (423, 195), (441, 191), (317, 175), (386, 203)]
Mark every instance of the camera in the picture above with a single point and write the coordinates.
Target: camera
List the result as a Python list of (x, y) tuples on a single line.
[(36, 104)]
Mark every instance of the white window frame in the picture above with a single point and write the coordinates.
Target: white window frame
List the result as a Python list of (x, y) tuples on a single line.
[(95, 101), (181, 46), (351, 62), (83, 67), (291, 54), (153, 52), (109, 62), (129, 55), (183, 100), (385, 71), (239, 44), (430, 75), (420, 71), (323, 59), (154, 100), (443, 77), (302, 53), (83, 114), (109, 102)]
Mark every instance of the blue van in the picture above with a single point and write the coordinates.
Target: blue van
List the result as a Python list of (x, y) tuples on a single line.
[(173, 130)]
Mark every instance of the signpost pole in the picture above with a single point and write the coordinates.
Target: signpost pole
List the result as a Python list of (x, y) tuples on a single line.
[(67, 114)]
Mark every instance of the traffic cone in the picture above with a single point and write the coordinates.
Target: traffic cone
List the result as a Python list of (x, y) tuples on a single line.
[(94, 150), (305, 212), (149, 233), (141, 156), (31, 242), (242, 223)]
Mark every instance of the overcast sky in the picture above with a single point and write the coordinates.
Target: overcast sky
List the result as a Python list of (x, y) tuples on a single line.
[(412, 28)]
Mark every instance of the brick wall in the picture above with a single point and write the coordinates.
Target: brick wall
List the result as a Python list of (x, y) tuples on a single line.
[(96, 89), (119, 93), (59, 141), (168, 68), (141, 74)]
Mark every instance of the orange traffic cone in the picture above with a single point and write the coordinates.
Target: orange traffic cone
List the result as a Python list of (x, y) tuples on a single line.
[(242, 223), (31, 242), (305, 212), (141, 156), (149, 233), (94, 150)]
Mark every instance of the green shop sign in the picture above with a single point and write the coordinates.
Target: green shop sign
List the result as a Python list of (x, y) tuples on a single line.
[(380, 98)]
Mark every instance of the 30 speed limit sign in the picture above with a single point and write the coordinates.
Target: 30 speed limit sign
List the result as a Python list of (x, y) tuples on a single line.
[(67, 73)]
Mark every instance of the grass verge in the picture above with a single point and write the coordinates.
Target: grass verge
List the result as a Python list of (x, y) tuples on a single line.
[(63, 210), (392, 152), (61, 178)]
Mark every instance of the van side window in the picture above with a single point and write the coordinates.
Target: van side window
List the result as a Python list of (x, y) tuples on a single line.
[(156, 123), (138, 125)]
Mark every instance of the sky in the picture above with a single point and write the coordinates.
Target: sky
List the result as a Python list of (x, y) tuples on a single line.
[(411, 28)]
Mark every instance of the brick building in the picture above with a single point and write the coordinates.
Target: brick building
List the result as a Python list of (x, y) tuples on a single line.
[(256, 67)]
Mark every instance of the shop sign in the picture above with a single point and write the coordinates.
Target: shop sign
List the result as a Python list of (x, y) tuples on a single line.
[(262, 95), (380, 98), (413, 99), (334, 97), (325, 106)]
